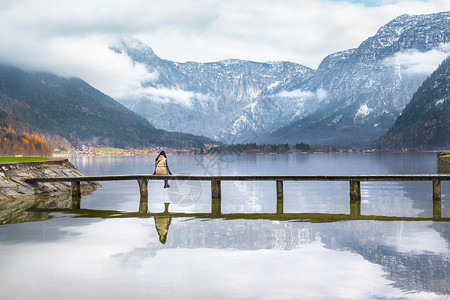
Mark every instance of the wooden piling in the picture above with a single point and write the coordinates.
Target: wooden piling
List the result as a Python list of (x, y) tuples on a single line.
[(437, 210), (216, 197), (436, 190), (355, 190), (76, 189), (280, 198), (355, 209), (143, 188)]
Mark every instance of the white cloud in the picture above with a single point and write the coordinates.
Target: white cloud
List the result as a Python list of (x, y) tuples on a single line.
[(165, 95), (418, 238), (320, 94), (416, 62), (69, 37)]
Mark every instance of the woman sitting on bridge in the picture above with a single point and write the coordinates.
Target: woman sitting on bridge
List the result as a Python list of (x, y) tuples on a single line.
[(161, 167)]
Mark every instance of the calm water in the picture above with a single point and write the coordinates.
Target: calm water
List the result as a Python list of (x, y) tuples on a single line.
[(106, 250)]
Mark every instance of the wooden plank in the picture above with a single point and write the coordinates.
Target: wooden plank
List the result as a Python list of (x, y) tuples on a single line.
[(394, 177)]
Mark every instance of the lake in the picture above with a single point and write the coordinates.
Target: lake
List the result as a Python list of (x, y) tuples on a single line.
[(106, 250)]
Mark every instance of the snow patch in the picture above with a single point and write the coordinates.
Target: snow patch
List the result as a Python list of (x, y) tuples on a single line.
[(363, 111), (273, 85), (335, 120), (440, 102)]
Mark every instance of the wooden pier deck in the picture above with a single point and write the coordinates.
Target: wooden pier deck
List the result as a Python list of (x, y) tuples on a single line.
[(216, 194)]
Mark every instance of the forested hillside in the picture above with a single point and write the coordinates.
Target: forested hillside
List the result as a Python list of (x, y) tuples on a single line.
[(74, 110), (424, 123), (23, 143)]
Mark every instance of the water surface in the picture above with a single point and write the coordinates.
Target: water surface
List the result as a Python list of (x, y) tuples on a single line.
[(106, 250)]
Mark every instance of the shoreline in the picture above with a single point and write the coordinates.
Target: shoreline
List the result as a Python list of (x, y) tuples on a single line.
[(63, 156), (12, 185)]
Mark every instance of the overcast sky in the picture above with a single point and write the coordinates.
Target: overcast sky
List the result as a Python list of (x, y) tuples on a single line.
[(71, 37)]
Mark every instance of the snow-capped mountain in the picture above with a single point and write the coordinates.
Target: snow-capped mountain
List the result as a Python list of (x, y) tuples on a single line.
[(204, 98), (425, 121), (352, 98), (368, 87)]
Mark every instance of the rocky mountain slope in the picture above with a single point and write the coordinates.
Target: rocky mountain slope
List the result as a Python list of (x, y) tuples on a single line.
[(368, 87), (425, 121), (74, 110), (351, 99), (204, 98)]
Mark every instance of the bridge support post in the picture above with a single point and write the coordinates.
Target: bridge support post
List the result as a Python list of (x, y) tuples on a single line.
[(355, 209), (143, 190), (436, 190), (280, 197), (437, 199), (355, 190), (76, 189), (216, 197), (355, 198)]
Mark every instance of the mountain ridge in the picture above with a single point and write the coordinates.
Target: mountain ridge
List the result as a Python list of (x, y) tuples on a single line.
[(366, 90), (72, 109), (352, 98)]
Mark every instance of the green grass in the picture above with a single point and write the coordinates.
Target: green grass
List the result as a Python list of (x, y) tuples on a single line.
[(447, 155), (9, 159), (106, 149)]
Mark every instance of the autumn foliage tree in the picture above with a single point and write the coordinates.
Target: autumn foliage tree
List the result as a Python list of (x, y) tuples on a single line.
[(13, 143)]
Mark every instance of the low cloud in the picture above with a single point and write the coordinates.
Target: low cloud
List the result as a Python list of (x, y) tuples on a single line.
[(319, 94), (70, 38), (416, 62), (165, 95)]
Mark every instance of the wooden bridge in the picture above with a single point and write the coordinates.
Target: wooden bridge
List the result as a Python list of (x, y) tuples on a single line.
[(216, 194)]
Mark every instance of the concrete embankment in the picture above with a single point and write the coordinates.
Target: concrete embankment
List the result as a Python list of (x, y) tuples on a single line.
[(12, 185)]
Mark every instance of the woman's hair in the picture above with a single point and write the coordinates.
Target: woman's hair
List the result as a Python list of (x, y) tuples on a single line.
[(163, 153)]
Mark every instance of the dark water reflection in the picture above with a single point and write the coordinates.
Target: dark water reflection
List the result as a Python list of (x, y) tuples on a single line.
[(107, 250)]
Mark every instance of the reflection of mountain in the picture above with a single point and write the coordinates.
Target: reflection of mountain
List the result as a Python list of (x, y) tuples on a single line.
[(419, 269), (410, 266)]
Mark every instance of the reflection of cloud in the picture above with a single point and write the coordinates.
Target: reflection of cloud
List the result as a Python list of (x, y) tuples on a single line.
[(416, 62), (418, 238), (114, 259)]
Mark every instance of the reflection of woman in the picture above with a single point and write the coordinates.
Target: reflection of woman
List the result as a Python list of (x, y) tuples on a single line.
[(161, 167), (162, 224)]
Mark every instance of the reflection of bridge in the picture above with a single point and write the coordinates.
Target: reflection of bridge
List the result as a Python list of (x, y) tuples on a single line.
[(216, 194), (294, 217)]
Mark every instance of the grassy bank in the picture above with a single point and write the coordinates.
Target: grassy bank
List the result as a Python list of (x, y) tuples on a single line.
[(9, 159)]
